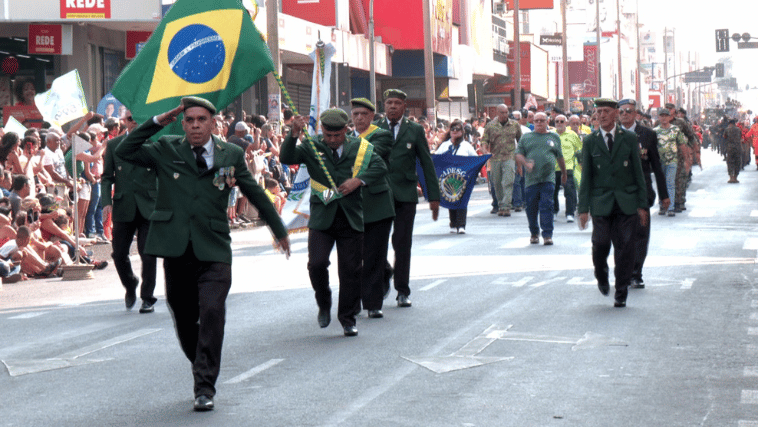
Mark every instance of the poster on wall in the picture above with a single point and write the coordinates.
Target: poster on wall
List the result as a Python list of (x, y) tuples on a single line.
[(109, 106), (85, 9)]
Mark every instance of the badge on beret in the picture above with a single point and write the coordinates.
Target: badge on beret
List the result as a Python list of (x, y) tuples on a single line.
[(626, 163), (176, 175), (119, 168), (552, 144), (408, 145)]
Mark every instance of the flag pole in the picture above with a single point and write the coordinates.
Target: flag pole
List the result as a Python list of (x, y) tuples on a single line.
[(291, 104)]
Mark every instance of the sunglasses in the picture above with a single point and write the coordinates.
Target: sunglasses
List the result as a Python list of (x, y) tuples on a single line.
[(626, 111), (456, 128), (560, 121)]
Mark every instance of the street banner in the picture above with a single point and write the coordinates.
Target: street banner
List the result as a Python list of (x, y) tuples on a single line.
[(297, 208), (64, 101), (207, 49), (456, 175), (320, 91)]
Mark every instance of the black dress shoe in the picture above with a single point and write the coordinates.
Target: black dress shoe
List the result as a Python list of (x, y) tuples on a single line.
[(130, 298), (619, 303), (604, 287), (637, 284), (403, 301), (324, 317), (375, 314), (350, 331), (203, 403), (147, 307)]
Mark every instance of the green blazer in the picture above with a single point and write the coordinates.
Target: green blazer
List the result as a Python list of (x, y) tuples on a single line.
[(189, 207), (609, 177), (291, 153), (410, 145), (134, 188), (378, 203)]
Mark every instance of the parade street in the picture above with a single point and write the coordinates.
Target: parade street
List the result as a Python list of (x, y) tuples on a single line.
[(501, 333)]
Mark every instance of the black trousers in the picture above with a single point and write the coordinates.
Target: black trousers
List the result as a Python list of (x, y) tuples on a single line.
[(618, 229), (458, 218), (123, 235), (349, 256), (402, 240), (375, 277), (196, 293), (641, 243)]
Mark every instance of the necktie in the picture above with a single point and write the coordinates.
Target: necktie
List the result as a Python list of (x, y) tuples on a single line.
[(610, 142), (392, 128), (199, 159), (335, 156)]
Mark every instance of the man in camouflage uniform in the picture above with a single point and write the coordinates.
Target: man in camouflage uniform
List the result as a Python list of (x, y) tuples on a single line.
[(670, 142), (684, 161), (733, 137), (499, 139)]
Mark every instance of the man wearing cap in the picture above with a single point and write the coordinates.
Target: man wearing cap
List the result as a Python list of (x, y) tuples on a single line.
[(670, 141), (378, 211), (409, 145), (189, 227), (134, 191), (684, 156), (338, 167), (613, 190), (651, 163)]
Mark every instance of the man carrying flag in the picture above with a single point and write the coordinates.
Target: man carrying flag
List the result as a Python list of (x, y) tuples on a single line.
[(210, 49)]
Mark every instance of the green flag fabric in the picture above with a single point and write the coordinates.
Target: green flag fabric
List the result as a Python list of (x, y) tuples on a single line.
[(210, 49)]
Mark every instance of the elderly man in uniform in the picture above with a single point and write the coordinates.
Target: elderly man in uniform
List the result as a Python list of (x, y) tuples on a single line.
[(409, 145), (340, 165), (651, 163), (133, 201), (613, 191), (378, 212), (189, 228)]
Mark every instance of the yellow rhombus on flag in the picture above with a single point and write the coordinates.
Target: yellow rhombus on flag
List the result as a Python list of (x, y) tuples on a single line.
[(202, 48)]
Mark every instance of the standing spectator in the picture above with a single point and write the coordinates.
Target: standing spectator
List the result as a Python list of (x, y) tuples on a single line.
[(54, 164), (94, 221), (613, 191), (133, 201), (456, 144), (538, 152), (752, 136), (410, 146), (499, 139), (571, 145)]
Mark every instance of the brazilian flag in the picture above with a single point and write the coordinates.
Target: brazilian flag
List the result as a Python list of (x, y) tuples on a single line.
[(210, 49)]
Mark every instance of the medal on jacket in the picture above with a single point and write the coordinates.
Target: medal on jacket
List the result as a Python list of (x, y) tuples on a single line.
[(220, 178), (327, 195), (408, 145)]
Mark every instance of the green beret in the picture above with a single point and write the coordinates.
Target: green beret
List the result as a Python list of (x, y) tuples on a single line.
[(362, 102), (334, 118), (606, 102), (394, 93), (196, 101)]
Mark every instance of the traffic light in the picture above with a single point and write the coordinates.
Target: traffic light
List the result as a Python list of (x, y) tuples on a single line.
[(722, 40), (720, 69)]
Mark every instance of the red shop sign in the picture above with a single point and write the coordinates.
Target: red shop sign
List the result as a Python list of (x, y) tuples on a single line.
[(85, 9), (45, 39)]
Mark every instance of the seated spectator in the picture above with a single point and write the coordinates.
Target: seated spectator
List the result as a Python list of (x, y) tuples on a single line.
[(275, 194), (17, 250), (19, 190), (55, 228)]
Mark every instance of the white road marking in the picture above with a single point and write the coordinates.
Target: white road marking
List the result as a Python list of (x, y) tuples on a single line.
[(751, 243), (752, 331), (702, 213), (521, 242), (256, 370), (28, 315), (517, 284), (579, 281), (753, 316), (545, 282), (446, 243), (687, 284), (294, 247), (750, 371), (749, 397), (742, 423), (754, 213), (107, 343), (433, 284)]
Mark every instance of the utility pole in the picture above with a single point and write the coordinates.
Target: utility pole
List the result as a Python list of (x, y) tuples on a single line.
[(597, 54), (371, 54), (665, 65), (564, 42), (274, 96), (516, 58), (618, 35), (429, 63), (638, 88)]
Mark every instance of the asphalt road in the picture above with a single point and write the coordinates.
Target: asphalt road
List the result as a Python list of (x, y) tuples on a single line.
[(501, 333)]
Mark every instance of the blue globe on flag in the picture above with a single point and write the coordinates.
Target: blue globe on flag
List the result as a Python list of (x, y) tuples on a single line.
[(196, 53)]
